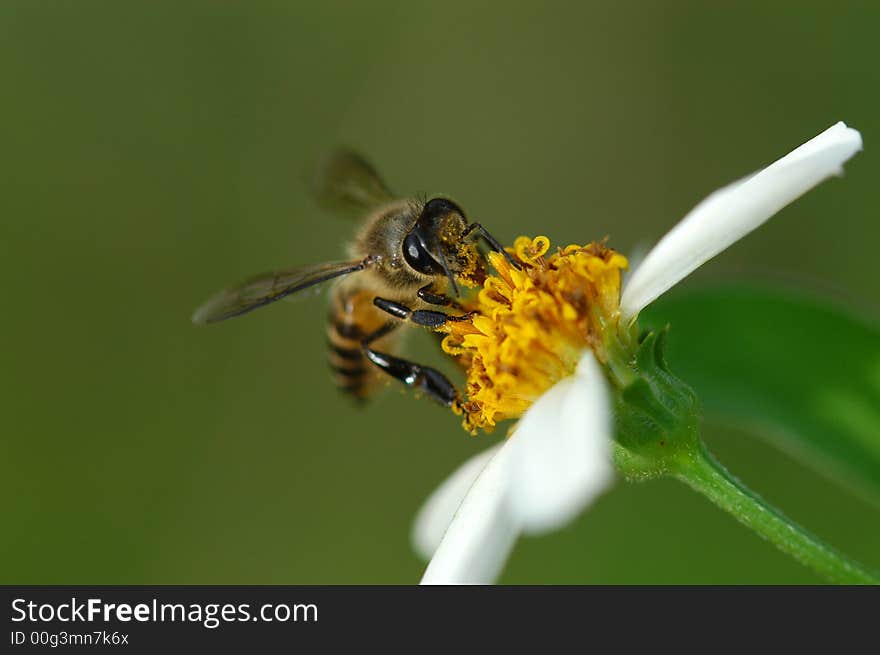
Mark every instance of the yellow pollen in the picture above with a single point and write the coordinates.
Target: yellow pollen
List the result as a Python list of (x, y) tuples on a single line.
[(531, 326)]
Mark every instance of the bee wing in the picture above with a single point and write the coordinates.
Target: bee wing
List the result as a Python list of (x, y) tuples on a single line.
[(267, 288), (345, 180)]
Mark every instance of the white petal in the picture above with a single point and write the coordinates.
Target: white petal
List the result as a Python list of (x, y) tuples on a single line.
[(560, 454), (437, 512), (482, 533), (732, 212)]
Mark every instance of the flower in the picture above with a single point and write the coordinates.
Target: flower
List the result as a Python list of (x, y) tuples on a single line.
[(532, 324), (542, 345)]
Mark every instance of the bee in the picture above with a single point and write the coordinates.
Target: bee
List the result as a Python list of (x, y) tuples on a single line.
[(406, 260)]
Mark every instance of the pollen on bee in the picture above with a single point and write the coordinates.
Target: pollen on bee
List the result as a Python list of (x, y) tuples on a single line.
[(531, 325), (472, 274)]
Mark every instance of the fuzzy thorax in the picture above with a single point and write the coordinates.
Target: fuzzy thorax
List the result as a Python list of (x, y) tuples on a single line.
[(531, 326)]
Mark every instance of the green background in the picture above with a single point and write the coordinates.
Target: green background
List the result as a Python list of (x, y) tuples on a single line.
[(155, 152)]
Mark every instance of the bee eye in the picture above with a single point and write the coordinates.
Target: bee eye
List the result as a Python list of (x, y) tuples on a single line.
[(418, 257)]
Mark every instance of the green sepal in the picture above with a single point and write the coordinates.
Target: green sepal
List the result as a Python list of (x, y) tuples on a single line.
[(656, 414)]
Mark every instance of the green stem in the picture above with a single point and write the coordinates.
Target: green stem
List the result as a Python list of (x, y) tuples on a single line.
[(701, 471)]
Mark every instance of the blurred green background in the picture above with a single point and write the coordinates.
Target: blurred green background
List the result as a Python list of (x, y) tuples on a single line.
[(155, 152)]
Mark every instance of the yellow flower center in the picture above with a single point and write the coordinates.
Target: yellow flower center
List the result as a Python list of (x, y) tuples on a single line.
[(531, 326)]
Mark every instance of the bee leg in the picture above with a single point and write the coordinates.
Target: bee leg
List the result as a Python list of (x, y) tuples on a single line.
[(424, 317), (427, 294), (493, 243), (436, 385)]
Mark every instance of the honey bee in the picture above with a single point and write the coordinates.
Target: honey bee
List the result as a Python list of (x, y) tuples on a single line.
[(408, 256)]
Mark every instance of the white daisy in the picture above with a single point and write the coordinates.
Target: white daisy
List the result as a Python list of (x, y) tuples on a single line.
[(558, 458)]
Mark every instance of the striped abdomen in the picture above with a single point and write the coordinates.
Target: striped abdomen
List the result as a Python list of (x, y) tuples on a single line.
[(353, 317)]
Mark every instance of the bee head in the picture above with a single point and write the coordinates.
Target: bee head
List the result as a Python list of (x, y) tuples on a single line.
[(433, 245)]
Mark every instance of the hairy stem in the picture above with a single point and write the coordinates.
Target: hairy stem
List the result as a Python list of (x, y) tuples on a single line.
[(702, 472)]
